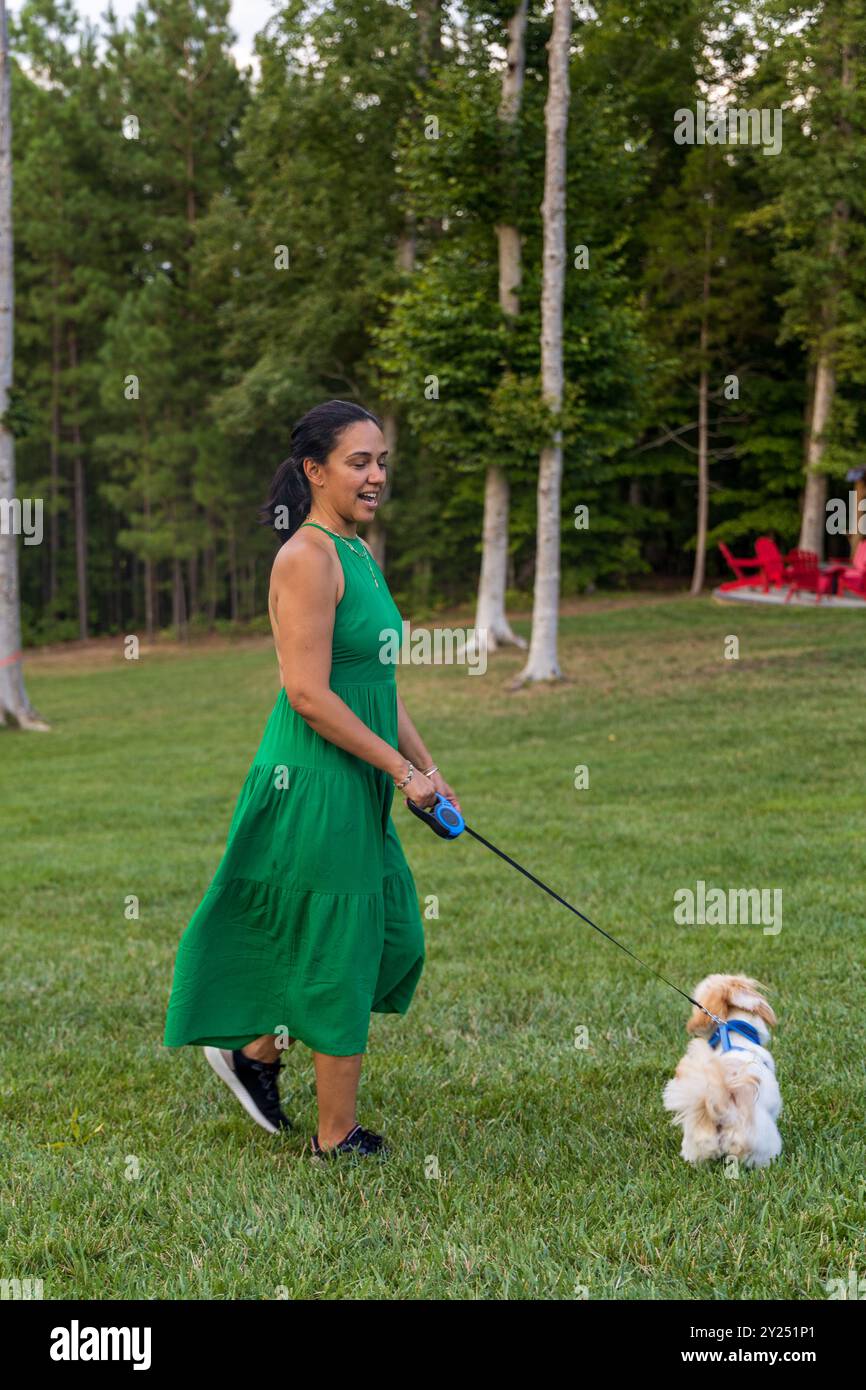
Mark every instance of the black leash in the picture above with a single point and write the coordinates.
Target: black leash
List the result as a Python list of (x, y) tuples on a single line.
[(448, 823)]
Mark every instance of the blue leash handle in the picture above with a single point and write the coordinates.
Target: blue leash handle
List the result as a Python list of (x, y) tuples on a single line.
[(443, 818)]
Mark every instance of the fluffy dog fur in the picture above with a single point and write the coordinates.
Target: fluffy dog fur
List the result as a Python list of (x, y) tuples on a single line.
[(727, 1102)]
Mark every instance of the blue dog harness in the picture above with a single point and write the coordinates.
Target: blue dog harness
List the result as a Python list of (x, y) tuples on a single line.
[(737, 1025)]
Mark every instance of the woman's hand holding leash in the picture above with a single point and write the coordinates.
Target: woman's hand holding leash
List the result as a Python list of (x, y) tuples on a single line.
[(424, 788), (417, 787)]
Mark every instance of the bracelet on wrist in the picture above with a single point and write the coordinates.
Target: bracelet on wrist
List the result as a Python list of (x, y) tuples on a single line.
[(408, 776)]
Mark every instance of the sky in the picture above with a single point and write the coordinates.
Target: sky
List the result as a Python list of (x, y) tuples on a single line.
[(247, 18)]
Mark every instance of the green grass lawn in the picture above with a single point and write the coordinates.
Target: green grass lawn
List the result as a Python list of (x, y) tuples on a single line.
[(130, 1172)]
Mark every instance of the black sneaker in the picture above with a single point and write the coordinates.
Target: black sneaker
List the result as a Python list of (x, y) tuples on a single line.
[(254, 1083), (357, 1141)]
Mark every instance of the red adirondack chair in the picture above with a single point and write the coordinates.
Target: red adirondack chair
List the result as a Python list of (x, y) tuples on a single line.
[(804, 574), (743, 580), (769, 566), (854, 579), (774, 565)]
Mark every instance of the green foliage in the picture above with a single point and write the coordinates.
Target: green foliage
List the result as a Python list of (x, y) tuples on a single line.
[(329, 229)]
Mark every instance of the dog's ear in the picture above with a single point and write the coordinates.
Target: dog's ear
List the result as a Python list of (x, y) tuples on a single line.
[(713, 994), (745, 994), (722, 993), (698, 1021)]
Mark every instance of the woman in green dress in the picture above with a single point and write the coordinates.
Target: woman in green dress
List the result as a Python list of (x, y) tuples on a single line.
[(311, 921)]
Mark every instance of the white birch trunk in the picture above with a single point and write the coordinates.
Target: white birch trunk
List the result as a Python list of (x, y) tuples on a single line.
[(15, 708), (813, 523), (543, 663), (490, 615)]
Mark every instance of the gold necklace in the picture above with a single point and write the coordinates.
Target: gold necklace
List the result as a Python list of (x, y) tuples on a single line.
[(346, 542)]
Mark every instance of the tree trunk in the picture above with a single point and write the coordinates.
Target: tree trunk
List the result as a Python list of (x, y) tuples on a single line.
[(54, 449), (178, 600), (854, 537), (429, 16), (151, 600), (422, 566), (135, 569), (79, 498), (490, 615), (250, 606), (15, 707), (152, 569), (700, 568), (543, 663), (210, 578), (814, 520), (193, 584), (233, 573), (813, 524)]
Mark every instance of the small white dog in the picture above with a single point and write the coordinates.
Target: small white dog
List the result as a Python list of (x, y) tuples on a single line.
[(724, 1092)]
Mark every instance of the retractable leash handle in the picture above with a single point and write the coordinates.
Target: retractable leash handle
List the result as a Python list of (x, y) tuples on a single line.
[(444, 819)]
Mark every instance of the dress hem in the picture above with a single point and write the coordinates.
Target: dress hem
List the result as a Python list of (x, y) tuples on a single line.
[(241, 1040)]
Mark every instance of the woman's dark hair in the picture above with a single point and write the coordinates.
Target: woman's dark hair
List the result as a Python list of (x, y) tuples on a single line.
[(313, 437)]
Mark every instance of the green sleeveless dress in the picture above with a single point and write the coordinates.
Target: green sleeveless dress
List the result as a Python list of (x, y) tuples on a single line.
[(311, 920)]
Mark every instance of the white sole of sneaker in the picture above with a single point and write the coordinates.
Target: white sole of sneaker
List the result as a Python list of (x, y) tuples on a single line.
[(221, 1061)]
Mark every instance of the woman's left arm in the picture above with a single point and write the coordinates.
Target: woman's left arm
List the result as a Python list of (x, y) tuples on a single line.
[(412, 746)]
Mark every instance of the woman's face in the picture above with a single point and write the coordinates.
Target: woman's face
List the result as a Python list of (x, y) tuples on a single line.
[(354, 480)]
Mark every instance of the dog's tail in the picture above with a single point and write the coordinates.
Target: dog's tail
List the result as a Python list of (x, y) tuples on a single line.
[(712, 1096)]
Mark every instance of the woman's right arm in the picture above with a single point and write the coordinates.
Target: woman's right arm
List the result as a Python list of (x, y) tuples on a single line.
[(305, 602)]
